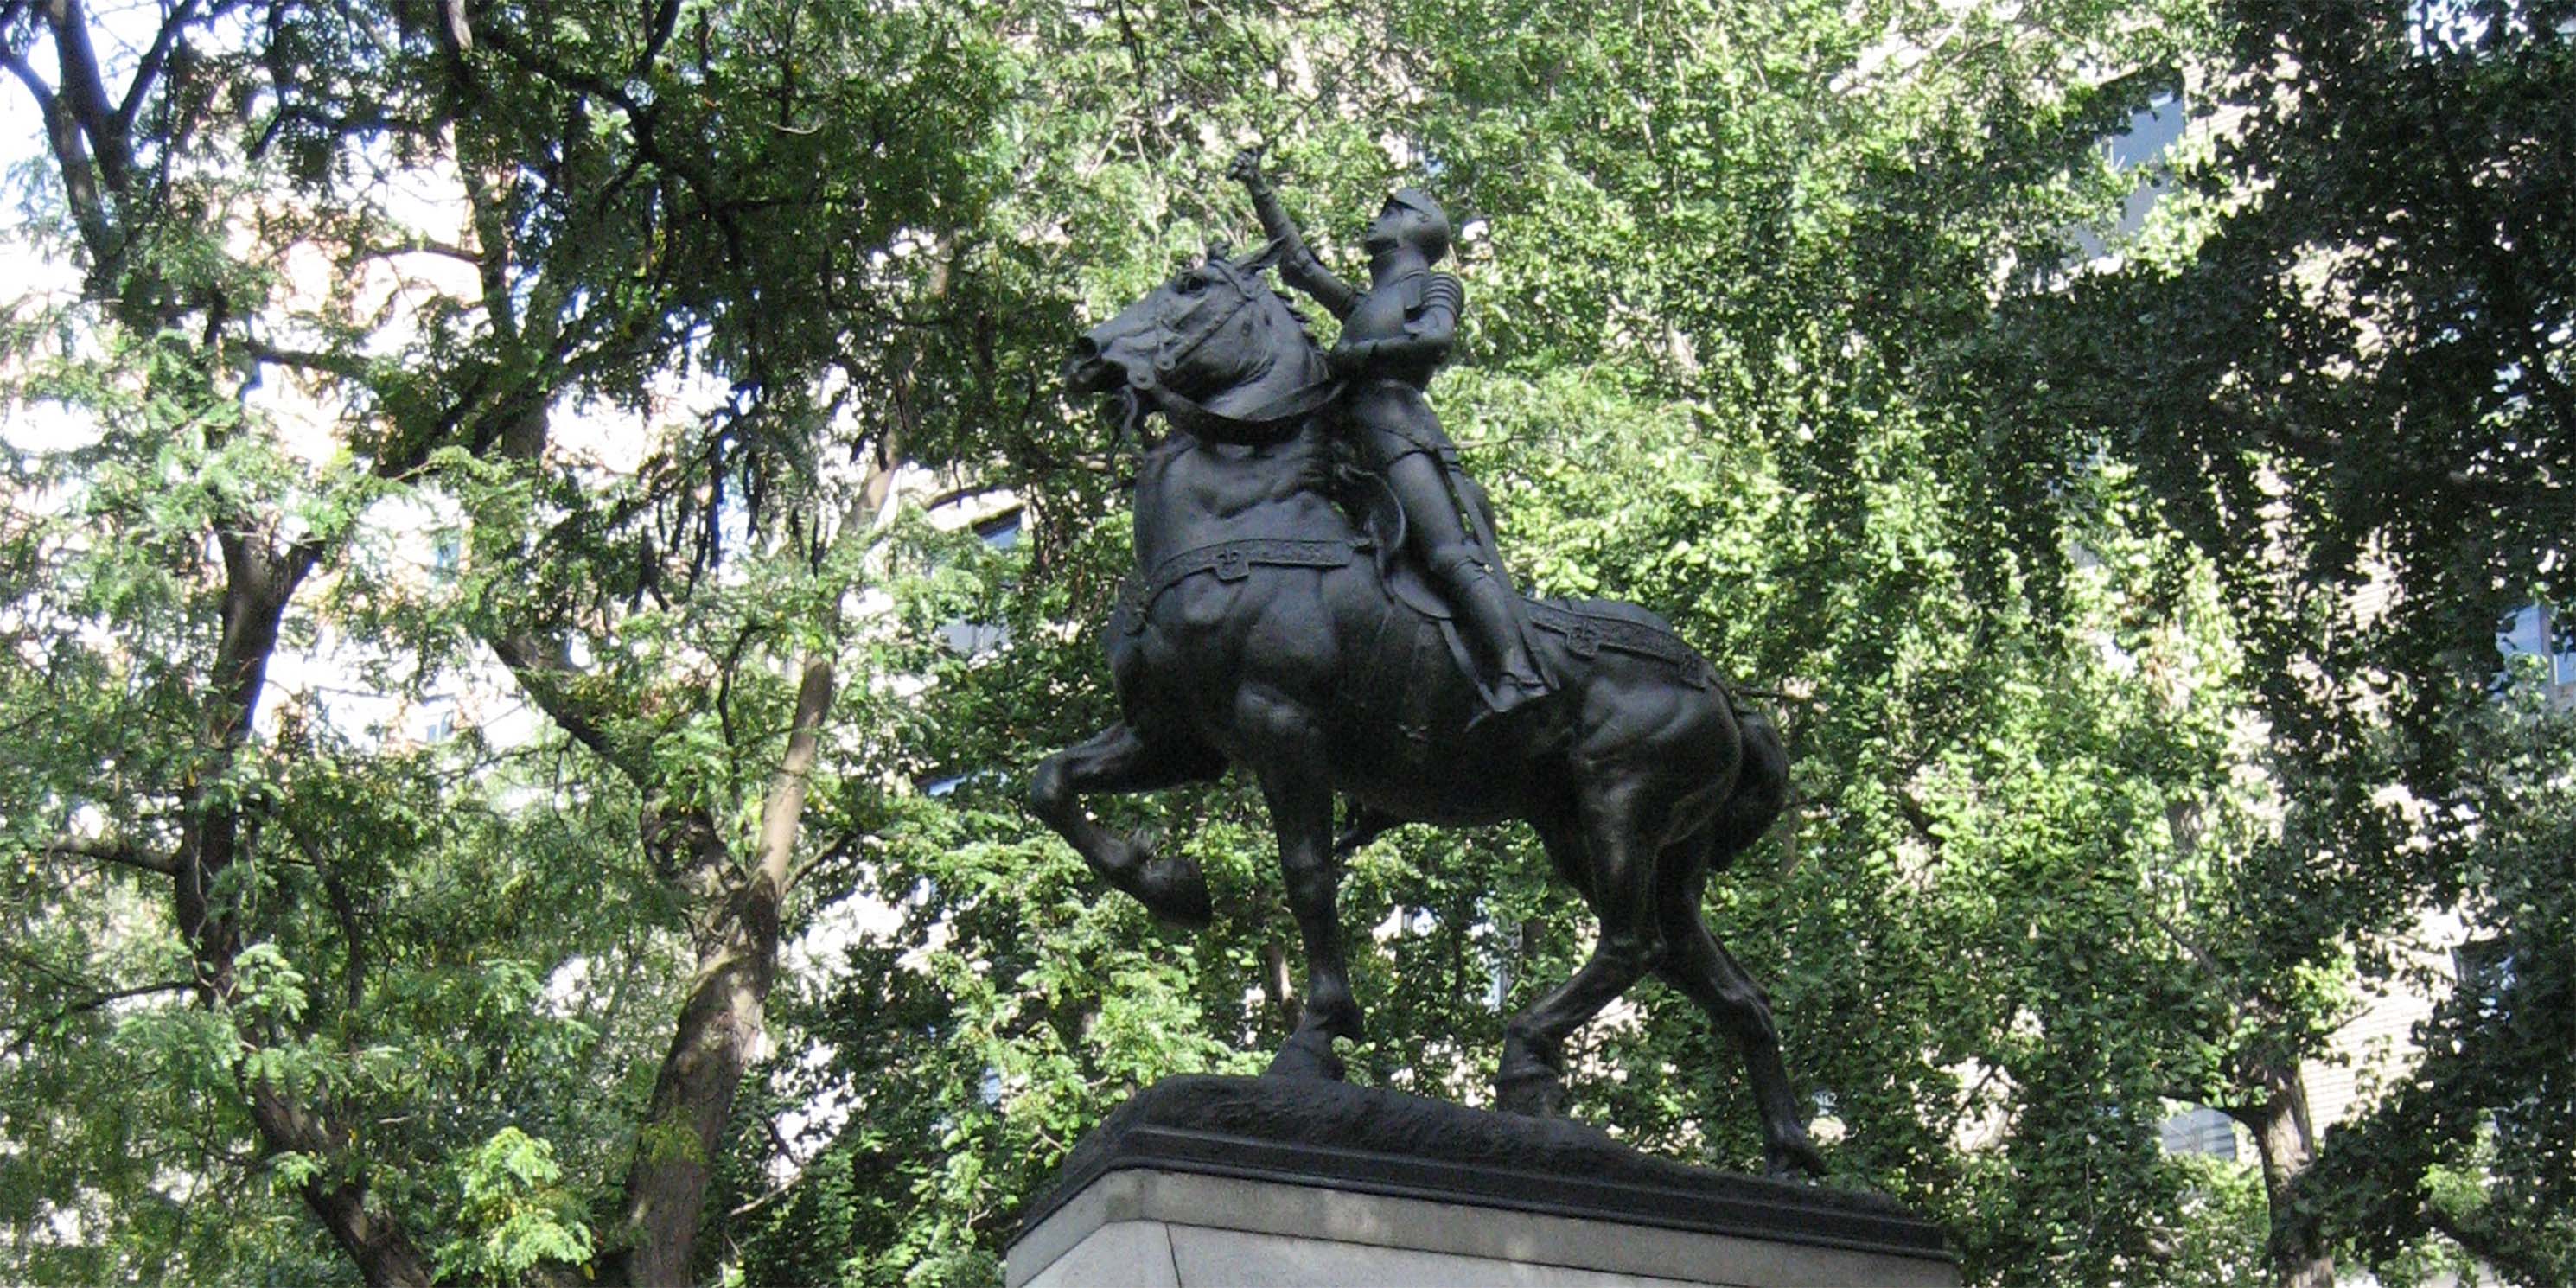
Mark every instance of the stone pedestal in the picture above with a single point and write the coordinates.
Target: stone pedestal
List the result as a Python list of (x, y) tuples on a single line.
[(1202, 1181)]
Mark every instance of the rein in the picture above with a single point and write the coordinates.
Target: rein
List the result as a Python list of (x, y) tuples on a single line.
[(1272, 420)]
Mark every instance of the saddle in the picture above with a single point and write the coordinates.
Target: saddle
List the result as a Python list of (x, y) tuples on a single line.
[(1564, 634)]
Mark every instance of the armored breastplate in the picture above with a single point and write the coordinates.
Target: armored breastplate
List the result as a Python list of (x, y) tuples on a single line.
[(1379, 315), (1383, 313)]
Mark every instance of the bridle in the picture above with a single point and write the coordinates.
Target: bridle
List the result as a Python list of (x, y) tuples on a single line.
[(1272, 419), (1170, 358)]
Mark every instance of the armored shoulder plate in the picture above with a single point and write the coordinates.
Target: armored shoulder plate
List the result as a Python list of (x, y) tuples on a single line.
[(1426, 291)]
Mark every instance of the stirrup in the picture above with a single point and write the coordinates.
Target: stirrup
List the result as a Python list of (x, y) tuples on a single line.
[(1508, 694)]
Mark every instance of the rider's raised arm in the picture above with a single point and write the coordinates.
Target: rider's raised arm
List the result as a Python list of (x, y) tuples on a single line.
[(1297, 264)]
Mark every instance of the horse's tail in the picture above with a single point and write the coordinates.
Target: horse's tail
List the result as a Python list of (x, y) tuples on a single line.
[(1761, 787)]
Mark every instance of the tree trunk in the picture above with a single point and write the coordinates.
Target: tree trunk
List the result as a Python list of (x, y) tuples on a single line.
[(92, 142), (721, 1023), (386, 1256), (2288, 1144), (259, 582)]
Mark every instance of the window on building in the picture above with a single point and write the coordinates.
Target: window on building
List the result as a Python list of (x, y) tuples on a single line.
[(941, 786), (2137, 149), (2485, 971), (2533, 631), (2153, 130), (2200, 1130), (1002, 531), (967, 639), (2490, 988)]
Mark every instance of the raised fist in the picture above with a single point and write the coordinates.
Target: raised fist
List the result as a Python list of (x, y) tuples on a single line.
[(1246, 169)]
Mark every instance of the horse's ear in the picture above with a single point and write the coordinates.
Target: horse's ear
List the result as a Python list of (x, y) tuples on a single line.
[(1217, 250), (1268, 257)]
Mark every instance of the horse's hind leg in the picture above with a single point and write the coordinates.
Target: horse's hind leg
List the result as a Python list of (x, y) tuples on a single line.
[(1118, 760), (1694, 963), (1616, 863)]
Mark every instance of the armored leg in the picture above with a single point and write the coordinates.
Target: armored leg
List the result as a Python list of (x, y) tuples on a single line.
[(1491, 613), (1487, 605)]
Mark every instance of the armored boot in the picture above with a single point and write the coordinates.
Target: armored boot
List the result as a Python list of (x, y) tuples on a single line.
[(1490, 611)]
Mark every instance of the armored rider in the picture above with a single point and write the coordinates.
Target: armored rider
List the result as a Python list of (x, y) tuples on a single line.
[(1394, 336)]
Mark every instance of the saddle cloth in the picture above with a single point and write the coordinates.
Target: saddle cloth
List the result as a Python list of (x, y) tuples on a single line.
[(1566, 634)]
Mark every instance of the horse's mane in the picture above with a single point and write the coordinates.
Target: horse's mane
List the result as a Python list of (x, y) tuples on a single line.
[(1305, 325), (1260, 275)]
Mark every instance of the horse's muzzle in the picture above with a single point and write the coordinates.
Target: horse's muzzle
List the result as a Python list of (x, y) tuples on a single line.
[(1086, 372)]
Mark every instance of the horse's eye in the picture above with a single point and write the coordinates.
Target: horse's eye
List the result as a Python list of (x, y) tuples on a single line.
[(1191, 283)]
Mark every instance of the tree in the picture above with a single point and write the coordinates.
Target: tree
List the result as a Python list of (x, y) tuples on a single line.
[(2341, 367), (630, 196)]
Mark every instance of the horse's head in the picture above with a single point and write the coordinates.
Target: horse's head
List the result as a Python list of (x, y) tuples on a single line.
[(1215, 337)]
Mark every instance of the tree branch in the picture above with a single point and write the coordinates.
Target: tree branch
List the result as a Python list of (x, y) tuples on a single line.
[(16, 61), (382, 1249), (30, 1029), (154, 59), (786, 805), (71, 160), (666, 18), (84, 91), (549, 679), (112, 850), (421, 246), (345, 908), (837, 849), (2200, 957), (777, 1192), (2488, 1246), (332, 364)]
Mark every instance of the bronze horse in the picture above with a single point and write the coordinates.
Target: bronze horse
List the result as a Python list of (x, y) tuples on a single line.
[(1265, 629)]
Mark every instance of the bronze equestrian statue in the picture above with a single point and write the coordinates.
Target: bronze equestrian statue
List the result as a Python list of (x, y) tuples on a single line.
[(1267, 629)]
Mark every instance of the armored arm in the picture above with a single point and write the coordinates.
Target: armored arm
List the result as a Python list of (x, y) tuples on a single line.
[(1297, 264)]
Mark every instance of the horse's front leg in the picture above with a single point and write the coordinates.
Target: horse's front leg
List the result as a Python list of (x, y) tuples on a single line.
[(1288, 754), (1119, 760)]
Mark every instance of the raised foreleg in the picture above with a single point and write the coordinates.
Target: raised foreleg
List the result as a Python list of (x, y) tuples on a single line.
[(1119, 760)]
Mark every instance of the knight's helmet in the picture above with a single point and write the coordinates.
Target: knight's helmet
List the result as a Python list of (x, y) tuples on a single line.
[(1431, 236)]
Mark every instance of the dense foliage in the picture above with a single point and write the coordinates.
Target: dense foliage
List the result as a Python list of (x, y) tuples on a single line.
[(2127, 598)]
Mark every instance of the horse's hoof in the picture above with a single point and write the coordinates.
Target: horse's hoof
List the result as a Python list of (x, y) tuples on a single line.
[(1305, 1058), (1173, 888), (1793, 1161), (1534, 1092)]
